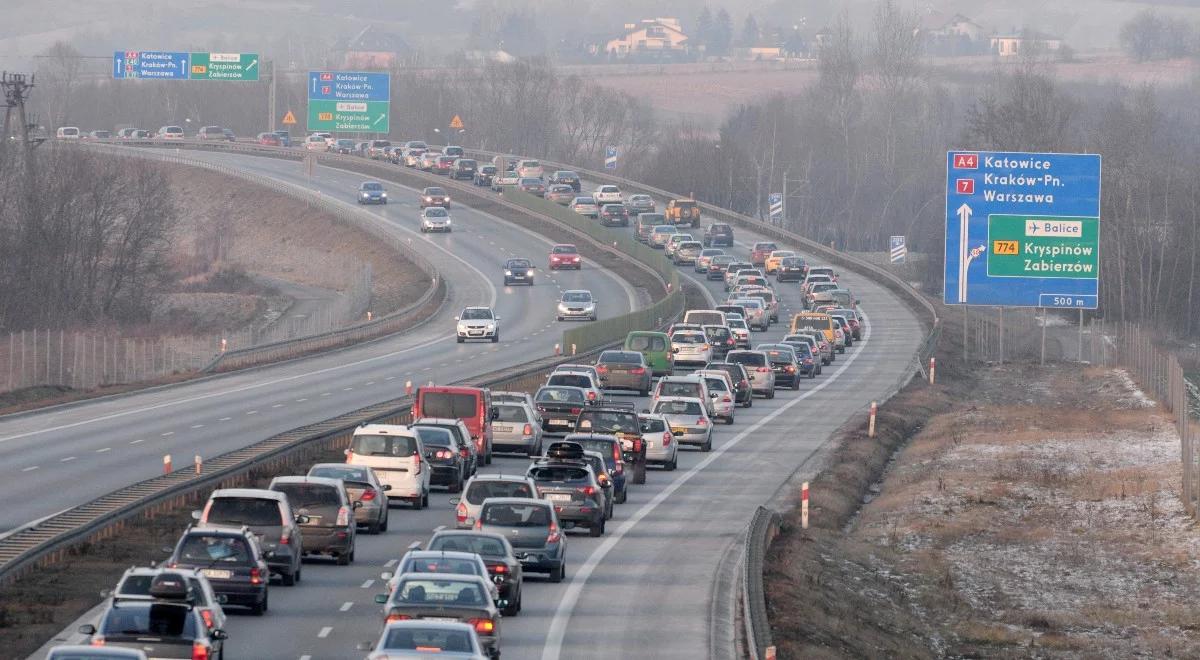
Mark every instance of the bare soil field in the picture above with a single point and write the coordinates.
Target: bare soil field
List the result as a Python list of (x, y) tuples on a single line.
[(705, 94), (1032, 512)]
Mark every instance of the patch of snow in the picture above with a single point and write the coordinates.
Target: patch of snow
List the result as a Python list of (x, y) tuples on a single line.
[(1134, 396)]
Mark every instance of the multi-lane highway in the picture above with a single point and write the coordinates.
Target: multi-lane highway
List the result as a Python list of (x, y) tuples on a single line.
[(89, 449), (645, 587)]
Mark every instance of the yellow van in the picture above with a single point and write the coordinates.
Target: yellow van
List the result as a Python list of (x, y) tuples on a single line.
[(818, 320)]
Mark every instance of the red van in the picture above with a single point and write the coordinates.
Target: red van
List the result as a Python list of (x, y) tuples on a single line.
[(473, 405)]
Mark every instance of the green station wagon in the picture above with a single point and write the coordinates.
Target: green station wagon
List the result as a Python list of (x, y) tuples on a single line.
[(656, 347)]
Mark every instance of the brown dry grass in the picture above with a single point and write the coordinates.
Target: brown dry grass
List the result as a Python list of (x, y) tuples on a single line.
[(1010, 525)]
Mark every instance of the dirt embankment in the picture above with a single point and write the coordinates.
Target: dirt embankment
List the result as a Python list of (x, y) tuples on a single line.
[(1035, 512)]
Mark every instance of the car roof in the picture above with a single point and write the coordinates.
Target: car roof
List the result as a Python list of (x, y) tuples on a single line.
[(468, 532), (668, 399), (448, 577), (384, 429), (440, 421), (100, 652), (577, 291), (260, 493), (449, 554), (304, 479), (499, 477), (206, 530), (517, 500)]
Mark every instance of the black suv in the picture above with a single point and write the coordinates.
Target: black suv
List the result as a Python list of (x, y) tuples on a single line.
[(718, 234), (567, 177), (565, 479), (618, 418), (484, 175), (166, 624), (231, 559), (792, 269)]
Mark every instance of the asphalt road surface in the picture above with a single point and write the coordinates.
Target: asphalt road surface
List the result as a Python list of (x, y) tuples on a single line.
[(644, 588), (69, 455)]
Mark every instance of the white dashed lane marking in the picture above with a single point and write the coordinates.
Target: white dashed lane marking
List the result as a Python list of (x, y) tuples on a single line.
[(346, 606), (168, 433), (134, 442), (325, 632), (31, 468), (101, 451), (224, 419), (67, 459), (367, 584)]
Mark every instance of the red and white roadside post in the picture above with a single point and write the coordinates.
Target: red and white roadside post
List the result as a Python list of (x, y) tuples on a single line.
[(408, 388), (166, 464), (932, 370), (871, 422), (804, 505), (769, 653), (557, 350), (572, 349), (199, 463)]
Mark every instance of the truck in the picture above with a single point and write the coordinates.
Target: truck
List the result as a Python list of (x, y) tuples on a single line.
[(681, 212)]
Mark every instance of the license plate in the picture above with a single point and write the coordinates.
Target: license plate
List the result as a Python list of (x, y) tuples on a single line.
[(678, 430), (440, 618), (503, 428), (559, 422), (217, 573), (558, 497)]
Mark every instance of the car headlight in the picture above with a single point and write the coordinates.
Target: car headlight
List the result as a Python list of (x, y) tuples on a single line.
[(447, 198), (491, 326), (429, 199), (529, 272), (383, 194), (562, 307), (508, 272)]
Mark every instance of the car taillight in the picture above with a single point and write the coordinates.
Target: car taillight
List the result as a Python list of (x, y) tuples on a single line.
[(199, 651), (285, 539), (587, 490), (343, 517), (464, 452), (702, 422), (417, 462), (498, 568), (349, 455), (591, 396), (255, 576), (637, 371), (729, 341), (97, 640), (790, 369), (460, 513), (554, 536), (483, 625), (763, 370), (666, 439), (368, 495), (478, 523), (207, 615), (576, 411), (601, 369), (726, 399), (398, 617), (527, 430)]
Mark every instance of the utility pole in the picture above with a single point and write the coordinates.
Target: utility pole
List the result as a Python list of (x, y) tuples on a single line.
[(271, 98), (16, 90)]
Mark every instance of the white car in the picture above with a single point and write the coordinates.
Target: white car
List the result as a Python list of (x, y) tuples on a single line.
[(483, 486), (691, 347), (607, 195), (661, 448), (435, 218), (741, 332), (170, 133), (589, 383), (478, 323), (674, 242), (395, 453), (688, 420), (576, 304), (720, 389), (449, 639), (315, 143)]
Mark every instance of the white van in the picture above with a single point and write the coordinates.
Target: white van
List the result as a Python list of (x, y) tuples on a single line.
[(529, 168), (398, 458), (170, 133), (704, 317), (68, 133)]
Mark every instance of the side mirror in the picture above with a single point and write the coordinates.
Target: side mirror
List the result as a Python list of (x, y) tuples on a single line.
[(857, 302), (87, 629), (302, 519), (455, 500), (358, 505), (363, 646), (456, 318), (347, 452), (386, 487), (196, 514), (167, 550), (269, 554), (386, 575), (381, 599), (105, 593), (219, 634), (495, 413), (497, 318), (714, 395), (645, 411)]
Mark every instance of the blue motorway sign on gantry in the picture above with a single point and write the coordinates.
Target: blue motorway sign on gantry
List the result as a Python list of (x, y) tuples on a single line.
[(358, 86), (1022, 229), (151, 64)]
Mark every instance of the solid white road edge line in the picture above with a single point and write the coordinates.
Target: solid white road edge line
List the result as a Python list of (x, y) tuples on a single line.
[(562, 615)]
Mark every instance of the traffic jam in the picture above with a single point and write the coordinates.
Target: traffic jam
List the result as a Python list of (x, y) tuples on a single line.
[(490, 489)]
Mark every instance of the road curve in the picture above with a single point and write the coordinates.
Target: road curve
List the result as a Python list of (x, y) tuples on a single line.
[(94, 447)]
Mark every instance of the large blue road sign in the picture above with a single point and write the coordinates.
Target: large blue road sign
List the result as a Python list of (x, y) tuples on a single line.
[(152, 64), (349, 86), (1022, 229)]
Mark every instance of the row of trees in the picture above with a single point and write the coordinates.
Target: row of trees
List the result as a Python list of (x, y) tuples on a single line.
[(1149, 36), (83, 239)]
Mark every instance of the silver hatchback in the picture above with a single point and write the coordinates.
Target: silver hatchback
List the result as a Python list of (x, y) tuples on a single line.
[(516, 427)]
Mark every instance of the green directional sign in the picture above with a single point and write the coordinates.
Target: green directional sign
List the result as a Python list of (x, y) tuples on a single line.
[(349, 116), (224, 66), (1043, 246)]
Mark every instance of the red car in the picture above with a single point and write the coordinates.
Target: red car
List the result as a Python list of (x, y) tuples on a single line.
[(758, 256), (443, 164), (565, 255)]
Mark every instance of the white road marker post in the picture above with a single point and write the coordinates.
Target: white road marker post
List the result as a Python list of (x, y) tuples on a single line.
[(932, 370), (166, 464), (871, 422), (408, 388), (199, 463), (572, 349), (804, 505)]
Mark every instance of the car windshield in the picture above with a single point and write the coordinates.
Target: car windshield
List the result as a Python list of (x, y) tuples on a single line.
[(434, 191), (558, 473), (205, 549), (602, 421), (243, 511), (570, 380), (687, 338), (736, 323), (646, 343), (516, 515), (749, 359), (759, 247), (584, 200), (669, 388), (620, 357), (440, 565), (442, 592), (484, 546), (434, 437), (564, 249), (560, 394), (344, 472), (519, 263), (479, 491), (400, 446), (577, 296), (476, 314), (167, 620), (677, 408), (715, 384), (309, 496), (665, 230), (653, 425), (511, 414), (372, 186), (530, 181), (428, 640)]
